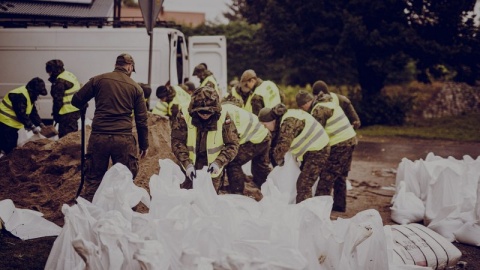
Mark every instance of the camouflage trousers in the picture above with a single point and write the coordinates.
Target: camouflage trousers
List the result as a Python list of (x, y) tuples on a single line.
[(68, 123), (102, 147), (336, 173), (312, 166), (259, 155)]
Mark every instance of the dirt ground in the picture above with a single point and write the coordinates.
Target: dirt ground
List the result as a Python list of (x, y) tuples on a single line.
[(43, 175)]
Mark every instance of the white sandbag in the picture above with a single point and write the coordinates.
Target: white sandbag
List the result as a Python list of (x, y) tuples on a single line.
[(468, 233), (407, 207), (443, 195), (285, 178), (118, 192), (78, 221), (25, 136), (415, 244), (25, 223)]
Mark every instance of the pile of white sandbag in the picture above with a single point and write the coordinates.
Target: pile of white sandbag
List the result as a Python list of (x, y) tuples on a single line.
[(198, 229), (441, 192)]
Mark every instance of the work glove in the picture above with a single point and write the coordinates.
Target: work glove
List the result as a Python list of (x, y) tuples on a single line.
[(213, 168), (36, 130), (191, 172)]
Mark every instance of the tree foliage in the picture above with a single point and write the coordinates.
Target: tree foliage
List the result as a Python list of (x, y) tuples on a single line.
[(353, 42)]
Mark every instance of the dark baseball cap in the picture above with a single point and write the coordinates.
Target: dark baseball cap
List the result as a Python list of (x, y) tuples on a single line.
[(124, 59)]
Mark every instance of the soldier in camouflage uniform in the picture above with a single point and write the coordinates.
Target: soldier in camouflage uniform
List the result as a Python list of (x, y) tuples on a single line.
[(297, 131), (116, 96), (255, 142), (204, 135), (342, 142), (64, 85), (206, 77), (256, 93), (339, 100)]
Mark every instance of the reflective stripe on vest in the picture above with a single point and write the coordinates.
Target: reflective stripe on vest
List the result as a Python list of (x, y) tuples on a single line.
[(338, 126), (247, 124), (213, 81), (214, 139), (67, 97), (312, 138), (7, 114)]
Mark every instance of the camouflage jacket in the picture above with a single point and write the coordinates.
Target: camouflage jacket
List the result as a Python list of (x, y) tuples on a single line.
[(283, 137), (59, 86), (179, 140)]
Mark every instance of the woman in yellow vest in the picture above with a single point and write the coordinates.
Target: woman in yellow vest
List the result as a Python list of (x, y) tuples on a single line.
[(204, 135), (64, 85), (17, 110), (342, 142), (255, 142), (298, 132)]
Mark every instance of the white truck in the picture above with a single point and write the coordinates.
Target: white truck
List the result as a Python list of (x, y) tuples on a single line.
[(87, 52)]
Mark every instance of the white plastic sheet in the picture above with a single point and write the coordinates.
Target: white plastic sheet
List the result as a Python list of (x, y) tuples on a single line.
[(25, 223)]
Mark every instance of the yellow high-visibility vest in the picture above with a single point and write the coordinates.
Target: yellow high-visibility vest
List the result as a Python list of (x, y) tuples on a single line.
[(7, 114), (312, 138), (247, 124), (67, 97), (268, 90), (184, 98), (163, 108), (335, 99), (214, 139), (338, 126)]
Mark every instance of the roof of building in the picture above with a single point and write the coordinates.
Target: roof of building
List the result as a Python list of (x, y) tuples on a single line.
[(43, 9)]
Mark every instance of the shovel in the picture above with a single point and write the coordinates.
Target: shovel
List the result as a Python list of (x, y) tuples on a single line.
[(49, 131)]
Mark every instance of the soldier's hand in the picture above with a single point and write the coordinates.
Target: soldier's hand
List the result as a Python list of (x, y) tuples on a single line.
[(356, 125), (191, 172), (143, 153), (214, 168), (36, 130), (281, 162)]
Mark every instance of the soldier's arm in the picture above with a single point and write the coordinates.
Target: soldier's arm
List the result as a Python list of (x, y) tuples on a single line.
[(81, 98), (322, 114), (230, 141), (257, 104), (19, 105), (179, 140), (285, 138), (350, 112), (141, 119)]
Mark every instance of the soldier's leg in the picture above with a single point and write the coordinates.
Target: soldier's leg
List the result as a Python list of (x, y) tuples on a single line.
[(235, 174), (124, 150), (261, 162), (310, 170), (329, 173), (68, 123), (96, 163), (340, 184)]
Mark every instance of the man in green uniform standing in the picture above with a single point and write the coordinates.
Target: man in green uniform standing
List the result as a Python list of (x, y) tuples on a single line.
[(116, 96)]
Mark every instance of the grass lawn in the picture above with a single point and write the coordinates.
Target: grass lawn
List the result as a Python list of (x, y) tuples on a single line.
[(459, 128)]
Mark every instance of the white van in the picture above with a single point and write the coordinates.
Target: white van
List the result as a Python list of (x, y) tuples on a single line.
[(87, 52)]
